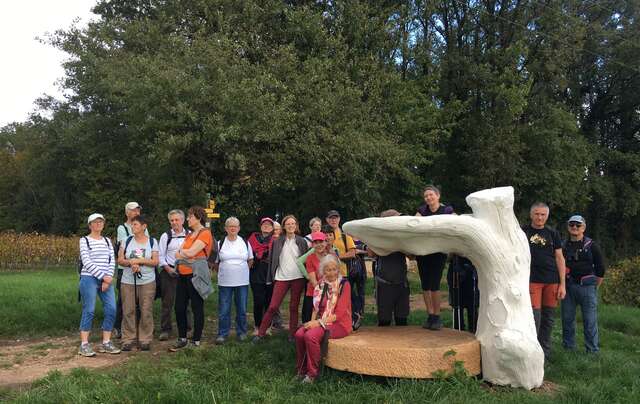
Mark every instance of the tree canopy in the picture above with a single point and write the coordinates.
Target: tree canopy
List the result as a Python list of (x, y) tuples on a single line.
[(302, 106)]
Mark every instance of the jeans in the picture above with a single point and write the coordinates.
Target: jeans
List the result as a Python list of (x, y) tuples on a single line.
[(89, 288), (240, 295), (585, 296)]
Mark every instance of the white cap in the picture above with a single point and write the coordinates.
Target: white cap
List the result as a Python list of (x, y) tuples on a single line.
[(132, 206), (94, 216)]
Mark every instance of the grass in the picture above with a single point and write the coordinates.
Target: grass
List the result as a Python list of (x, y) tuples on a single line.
[(242, 372)]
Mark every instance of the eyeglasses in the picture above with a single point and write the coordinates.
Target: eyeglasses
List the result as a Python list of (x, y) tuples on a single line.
[(575, 224)]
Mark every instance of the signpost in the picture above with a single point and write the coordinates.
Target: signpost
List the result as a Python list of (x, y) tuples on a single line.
[(211, 206)]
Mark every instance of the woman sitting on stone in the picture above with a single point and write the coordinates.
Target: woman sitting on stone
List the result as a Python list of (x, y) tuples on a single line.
[(331, 319)]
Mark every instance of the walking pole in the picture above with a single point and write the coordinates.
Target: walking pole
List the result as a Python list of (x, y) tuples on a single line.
[(135, 297)]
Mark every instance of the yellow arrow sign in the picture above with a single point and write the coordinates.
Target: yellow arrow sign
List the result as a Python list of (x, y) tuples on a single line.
[(208, 211), (213, 215)]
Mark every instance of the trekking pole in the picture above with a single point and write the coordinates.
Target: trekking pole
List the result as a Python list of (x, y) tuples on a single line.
[(456, 277), (135, 297)]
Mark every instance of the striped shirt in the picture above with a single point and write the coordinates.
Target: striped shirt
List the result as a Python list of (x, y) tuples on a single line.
[(97, 257)]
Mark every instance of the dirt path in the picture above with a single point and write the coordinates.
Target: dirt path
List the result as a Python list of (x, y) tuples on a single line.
[(23, 361)]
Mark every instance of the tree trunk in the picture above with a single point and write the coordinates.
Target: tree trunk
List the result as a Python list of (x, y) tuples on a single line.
[(492, 239)]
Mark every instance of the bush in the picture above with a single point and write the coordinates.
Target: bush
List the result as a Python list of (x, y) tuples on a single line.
[(622, 283), (37, 251)]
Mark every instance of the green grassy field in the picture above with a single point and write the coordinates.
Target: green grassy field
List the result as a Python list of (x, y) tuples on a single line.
[(38, 304)]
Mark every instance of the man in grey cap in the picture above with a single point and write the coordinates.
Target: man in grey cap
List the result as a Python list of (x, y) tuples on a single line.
[(585, 271), (131, 210)]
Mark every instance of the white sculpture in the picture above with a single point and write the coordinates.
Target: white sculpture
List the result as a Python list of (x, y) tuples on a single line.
[(492, 239)]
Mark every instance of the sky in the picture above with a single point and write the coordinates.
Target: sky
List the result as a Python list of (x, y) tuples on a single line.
[(28, 68)]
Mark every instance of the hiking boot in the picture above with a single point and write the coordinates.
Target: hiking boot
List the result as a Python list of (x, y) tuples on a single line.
[(145, 347), (220, 340), (180, 343), (164, 336), (436, 324), (126, 348), (242, 337), (428, 322), (109, 348), (194, 344), (86, 350)]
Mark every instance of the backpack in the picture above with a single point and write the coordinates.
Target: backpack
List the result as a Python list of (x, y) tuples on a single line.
[(155, 269), (222, 243), (586, 248), (86, 240), (81, 265), (355, 266), (170, 237)]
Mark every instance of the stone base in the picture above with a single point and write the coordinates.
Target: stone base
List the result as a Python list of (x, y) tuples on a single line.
[(410, 352)]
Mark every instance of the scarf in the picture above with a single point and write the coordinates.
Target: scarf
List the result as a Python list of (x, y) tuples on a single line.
[(260, 245), (331, 291)]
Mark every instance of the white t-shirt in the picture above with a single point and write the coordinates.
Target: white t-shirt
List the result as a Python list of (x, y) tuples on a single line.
[(233, 257), (288, 269)]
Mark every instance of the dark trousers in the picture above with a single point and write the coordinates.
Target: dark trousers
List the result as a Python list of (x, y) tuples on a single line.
[(168, 286), (185, 293), (307, 308), (357, 296), (118, 323), (261, 299)]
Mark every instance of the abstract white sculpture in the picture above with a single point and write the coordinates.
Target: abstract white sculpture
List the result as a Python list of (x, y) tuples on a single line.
[(492, 239)]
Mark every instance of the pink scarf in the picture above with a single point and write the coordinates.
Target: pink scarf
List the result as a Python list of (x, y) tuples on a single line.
[(330, 300)]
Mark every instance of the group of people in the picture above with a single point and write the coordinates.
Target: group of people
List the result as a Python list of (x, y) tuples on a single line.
[(324, 269)]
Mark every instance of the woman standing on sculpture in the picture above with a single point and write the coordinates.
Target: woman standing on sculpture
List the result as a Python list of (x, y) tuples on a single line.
[(430, 266), (284, 270), (331, 318)]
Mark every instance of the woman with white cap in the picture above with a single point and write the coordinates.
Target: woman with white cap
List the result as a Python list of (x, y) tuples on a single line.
[(97, 263)]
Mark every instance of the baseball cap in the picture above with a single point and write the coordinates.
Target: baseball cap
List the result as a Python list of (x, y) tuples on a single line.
[(132, 206), (93, 217), (318, 236), (266, 219), (576, 218), (333, 213)]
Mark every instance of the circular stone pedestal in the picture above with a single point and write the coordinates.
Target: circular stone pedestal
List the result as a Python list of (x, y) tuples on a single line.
[(410, 352)]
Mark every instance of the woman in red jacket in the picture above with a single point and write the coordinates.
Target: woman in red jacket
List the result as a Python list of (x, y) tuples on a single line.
[(331, 316)]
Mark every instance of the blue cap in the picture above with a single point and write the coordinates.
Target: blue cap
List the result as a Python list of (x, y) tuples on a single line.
[(576, 218)]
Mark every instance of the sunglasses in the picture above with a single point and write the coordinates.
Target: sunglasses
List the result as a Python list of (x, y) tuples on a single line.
[(575, 224)]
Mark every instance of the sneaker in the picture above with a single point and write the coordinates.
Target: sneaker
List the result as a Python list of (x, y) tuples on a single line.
[(428, 322), (307, 380), (256, 339), (436, 324), (86, 350), (126, 348), (180, 343), (115, 333), (242, 337), (195, 344), (109, 348), (220, 340), (145, 347), (357, 323), (164, 336)]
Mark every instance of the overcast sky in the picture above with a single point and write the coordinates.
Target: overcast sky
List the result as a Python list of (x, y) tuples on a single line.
[(28, 68)]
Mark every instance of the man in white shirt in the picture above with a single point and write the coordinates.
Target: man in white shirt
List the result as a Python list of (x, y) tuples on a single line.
[(170, 243)]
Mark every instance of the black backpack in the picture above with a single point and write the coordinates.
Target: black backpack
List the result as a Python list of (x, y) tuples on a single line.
[(86, 240)]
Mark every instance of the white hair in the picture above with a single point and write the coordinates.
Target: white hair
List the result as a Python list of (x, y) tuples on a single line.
[(175, 212), (315, 219), (326, 260), (231, 220)]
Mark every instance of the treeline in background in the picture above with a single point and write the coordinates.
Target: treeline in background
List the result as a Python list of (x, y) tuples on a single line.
[(301, 106)]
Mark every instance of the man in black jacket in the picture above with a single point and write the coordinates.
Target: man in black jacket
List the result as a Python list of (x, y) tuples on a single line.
[(585, 271)]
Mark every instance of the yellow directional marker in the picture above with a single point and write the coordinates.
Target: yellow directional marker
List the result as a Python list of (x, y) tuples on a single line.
[(208, 211)]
